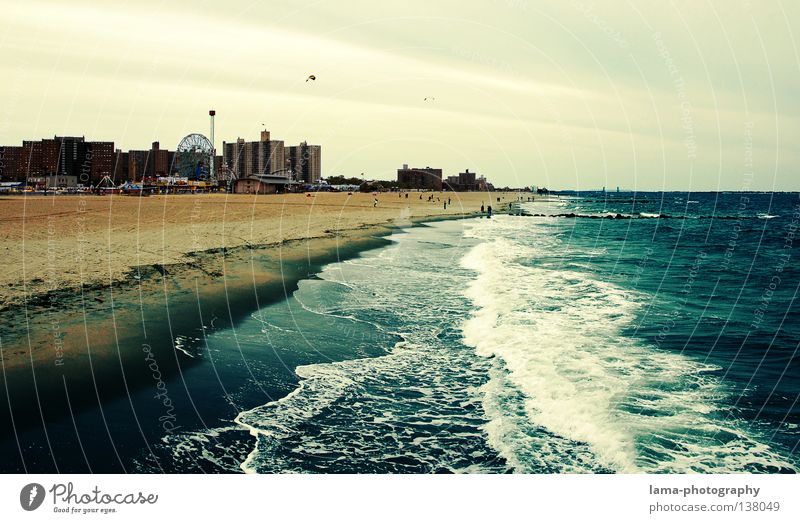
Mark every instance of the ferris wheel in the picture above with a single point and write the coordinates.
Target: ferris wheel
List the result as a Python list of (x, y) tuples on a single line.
[(194, 156)]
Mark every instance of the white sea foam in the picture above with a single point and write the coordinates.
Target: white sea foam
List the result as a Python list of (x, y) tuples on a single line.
[(580, 384), (366, 414)]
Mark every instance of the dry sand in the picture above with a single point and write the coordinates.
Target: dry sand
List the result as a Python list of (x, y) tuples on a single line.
[(58, 242)]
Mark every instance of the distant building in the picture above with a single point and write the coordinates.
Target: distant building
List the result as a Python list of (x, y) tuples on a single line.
[(232, 157), (160, 161), (39, 158), (74, 159), (138, 165), (120, 166), (144, 164), (60, 181), (466, 181), (262, 185), (420, 178), (101, 160), (246, 159), (33, 159), (68, 156), (51, 155), (218, 166), (11, 161), (305, 162)]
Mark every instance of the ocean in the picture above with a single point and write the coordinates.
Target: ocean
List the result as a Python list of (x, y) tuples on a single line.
[(598, 333)]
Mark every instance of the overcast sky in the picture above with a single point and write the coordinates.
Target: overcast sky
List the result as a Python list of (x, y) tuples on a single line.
[(684, 95)]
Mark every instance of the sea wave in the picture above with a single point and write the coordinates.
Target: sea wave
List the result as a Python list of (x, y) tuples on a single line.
[(573, 392), (416, 408)]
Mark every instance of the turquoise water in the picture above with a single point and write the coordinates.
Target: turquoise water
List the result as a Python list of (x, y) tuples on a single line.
[(533, 344)]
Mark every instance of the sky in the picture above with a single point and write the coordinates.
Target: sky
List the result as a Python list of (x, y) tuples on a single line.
[(568, 94)]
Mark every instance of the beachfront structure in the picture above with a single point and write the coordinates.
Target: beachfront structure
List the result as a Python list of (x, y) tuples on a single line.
[(60, 182), (264, 184), (12, 187), (420, 178), (245, 159), (305, 162)]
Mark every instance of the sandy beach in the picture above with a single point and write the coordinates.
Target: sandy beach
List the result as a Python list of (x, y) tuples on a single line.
[(52, 243)]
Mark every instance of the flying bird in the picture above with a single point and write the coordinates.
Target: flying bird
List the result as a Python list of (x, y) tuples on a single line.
[(311, 77), (431, 98)]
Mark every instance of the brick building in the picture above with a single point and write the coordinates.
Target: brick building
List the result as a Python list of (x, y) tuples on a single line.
[(305, 162)]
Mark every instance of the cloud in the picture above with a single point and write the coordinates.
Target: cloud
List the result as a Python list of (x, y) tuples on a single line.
[(578, 93)]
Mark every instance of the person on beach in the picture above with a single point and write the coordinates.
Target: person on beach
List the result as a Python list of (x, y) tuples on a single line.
[(448, 201), (375, 203), (481, 207), (445, 206), (489, 211)]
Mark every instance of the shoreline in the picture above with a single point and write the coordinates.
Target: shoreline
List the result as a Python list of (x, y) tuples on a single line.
[(45, 271)]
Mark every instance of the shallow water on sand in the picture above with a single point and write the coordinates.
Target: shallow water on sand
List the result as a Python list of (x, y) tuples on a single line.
[(663, 339)]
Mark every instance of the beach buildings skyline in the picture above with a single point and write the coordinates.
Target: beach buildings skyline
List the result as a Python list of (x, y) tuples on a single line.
[(73, 161), (89, 162)]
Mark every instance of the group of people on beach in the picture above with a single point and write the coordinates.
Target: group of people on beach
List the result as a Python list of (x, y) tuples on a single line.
[(448, 201)]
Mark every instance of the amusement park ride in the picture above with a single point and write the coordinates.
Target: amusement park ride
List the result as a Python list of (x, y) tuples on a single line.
[(194, 157), (193, 164)]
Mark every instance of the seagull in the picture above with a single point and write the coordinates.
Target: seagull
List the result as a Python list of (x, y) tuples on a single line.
[(431, 97), (311, 77)]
